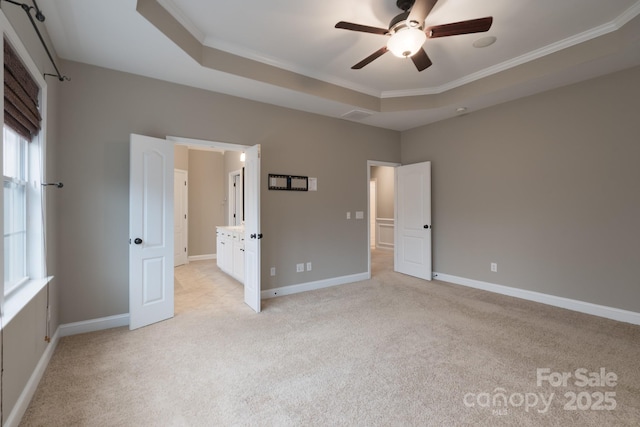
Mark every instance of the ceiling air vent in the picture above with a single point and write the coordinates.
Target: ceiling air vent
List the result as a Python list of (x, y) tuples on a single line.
[(356, 115)]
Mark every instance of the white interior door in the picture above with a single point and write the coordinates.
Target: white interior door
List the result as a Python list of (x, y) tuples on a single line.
[(252, 228), (413, 220), (150, 231), (180, 208)]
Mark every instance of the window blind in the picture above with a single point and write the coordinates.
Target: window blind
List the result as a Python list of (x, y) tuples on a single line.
[(21, 110)]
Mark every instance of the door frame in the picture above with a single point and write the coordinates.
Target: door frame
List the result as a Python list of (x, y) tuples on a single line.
[(373, 211), (234, 190), (185, 219), (223, 146), (371, 163)]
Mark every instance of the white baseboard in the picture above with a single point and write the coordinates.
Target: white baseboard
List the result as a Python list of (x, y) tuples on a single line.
[(570, 304), (14, 418), (94, 325), (202, 257), (310, 286)]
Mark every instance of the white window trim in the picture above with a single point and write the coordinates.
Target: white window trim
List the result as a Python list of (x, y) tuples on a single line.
[(13, 303)]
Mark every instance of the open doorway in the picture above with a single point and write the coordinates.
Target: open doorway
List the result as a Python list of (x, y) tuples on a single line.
[(381, 214), (204, 197), (216, 199), (236, 198)]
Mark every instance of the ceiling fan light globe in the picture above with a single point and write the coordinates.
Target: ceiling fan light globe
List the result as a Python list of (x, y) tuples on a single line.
[(406, 42)]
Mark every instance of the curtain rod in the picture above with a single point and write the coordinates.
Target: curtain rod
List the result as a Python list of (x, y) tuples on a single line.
[(40, 17)]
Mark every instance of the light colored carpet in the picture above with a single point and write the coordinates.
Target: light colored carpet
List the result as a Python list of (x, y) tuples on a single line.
[(390, 351)]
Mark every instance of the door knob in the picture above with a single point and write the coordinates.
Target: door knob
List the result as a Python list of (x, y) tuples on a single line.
[(426, 226), (137, 241)]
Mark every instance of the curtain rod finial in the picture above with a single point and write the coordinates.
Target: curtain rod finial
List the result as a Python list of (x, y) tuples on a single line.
[(58, 76), (57, 184)]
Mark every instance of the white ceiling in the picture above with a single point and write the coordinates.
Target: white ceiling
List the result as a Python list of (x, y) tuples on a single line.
[(299, 36)]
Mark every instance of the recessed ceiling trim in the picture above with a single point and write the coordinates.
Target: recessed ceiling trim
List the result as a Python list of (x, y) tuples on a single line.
[(249, 54), (425, 99), (601, 30), (240, 66), (628, 15), (179, 15), (233, 49)]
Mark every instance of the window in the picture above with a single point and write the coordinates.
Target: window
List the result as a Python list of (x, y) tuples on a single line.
[(23, 163), (15, 172)]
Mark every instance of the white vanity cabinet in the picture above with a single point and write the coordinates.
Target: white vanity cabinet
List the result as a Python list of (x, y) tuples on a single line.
[(230, 251), (238, 258), (224, 249)]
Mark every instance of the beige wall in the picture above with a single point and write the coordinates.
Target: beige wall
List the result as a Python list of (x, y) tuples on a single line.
[(207, 195), (181, 157), (100, 108), (546, 186), (23, 337), (206, 200)]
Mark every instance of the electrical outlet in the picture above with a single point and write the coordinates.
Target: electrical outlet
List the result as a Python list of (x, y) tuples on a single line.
[(348, 215), (299, 268), (494, 267), (273, 271), (308, 266)]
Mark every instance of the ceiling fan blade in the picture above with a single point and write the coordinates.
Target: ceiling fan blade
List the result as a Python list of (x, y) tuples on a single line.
[(362, 28), (421, 60), (375, 55), (420, 10), (465, 27)]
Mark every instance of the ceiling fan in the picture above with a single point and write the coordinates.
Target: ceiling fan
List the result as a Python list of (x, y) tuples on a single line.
[(408, 34)]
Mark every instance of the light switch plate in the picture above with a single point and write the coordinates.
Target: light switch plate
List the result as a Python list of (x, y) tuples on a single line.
[(359, 215)]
